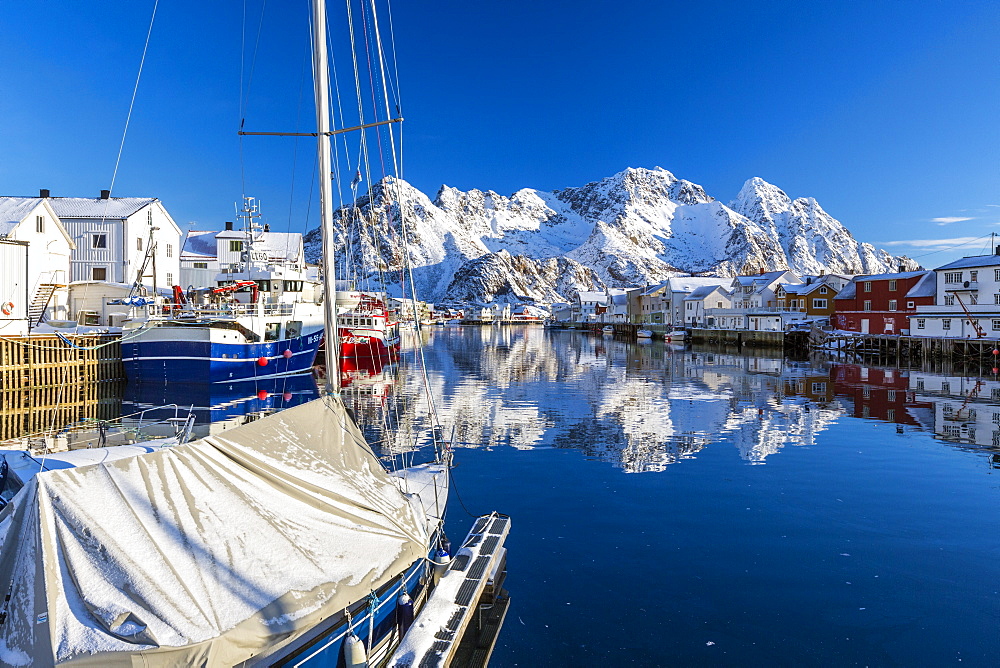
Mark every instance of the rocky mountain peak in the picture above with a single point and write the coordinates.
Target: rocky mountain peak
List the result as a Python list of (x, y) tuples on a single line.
[(635, 227)]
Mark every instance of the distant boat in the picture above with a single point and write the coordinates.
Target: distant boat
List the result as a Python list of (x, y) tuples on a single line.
[(366, 327), (675, 335), (608, 329), (644, 333)]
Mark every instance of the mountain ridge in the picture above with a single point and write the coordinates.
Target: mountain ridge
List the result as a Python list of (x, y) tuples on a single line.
[(636, 227)]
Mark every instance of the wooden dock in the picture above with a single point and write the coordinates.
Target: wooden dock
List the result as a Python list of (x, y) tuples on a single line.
[(46, 383), (913, 350)]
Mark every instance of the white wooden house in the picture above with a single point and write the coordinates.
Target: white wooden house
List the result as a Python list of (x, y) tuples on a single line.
[(38, 291), (698, 305), (966, 303), (119, 238), (758, 292), (589, 305), (678, 289)]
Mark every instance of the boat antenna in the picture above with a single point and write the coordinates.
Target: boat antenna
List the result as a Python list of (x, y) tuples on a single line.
[(321, 80)]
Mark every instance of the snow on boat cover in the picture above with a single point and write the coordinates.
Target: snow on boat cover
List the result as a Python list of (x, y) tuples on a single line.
[(205, 553)]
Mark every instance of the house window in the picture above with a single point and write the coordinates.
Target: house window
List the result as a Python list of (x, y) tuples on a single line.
[(953, 277), (892, 304), (235, 246), (99, 241), (973, 275), (99, 273), (718, 304), (996, 324), (946, 323), (201, 265), (170, 278), (866, 392), (819, 388), (996, 299), (892, 285), (949, 300), (945, 388), (149, 216), (890, 414), (890, 395), (819, 303), (170, 250), (868, 305), (921, 323), (996, 275), (868, 286), (40, 224), (973, 298), (910, 305)]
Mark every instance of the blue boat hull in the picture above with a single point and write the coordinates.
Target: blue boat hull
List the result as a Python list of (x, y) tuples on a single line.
[(327, 649), (212, 362)]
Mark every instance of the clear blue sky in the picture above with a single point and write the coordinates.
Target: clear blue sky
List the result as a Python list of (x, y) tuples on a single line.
[(885, 112)]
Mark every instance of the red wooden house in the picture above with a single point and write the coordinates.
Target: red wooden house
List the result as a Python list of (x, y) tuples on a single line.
[(881, 304)]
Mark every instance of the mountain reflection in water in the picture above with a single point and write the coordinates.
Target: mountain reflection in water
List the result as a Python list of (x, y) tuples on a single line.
[(645, 406)]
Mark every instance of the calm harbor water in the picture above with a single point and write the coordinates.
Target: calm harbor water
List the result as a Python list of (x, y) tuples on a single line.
[(690, 507), (679, 507)]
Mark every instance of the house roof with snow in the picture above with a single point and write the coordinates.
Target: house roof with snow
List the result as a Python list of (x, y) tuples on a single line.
[(850, 291), (654, 290), (13, 210), (973, 261), (117, 208), (925, 287), (278, 245), (598, 297), (704, 291), (691, 283), (199, 244)]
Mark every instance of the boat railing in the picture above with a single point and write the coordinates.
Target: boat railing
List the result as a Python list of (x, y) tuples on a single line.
[(173, 311), (93, 433)]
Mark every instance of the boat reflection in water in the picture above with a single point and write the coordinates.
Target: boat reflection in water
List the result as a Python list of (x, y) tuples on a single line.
[(216, 407)]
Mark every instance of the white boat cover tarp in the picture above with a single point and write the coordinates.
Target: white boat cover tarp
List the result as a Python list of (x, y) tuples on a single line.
[(205, 553)]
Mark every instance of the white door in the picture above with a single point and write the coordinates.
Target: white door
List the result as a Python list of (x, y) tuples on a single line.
[(864, 325)]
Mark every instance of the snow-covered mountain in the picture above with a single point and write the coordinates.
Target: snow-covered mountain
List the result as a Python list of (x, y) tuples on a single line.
[(639, 226)]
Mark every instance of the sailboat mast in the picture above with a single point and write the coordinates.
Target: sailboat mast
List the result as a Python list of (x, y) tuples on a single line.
[(321, 79)]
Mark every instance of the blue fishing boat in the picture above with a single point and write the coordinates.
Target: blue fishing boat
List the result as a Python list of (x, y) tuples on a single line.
[(262, 319)]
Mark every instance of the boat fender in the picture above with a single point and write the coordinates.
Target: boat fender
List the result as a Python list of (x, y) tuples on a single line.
[(354, 652), (441, 562), (261, 361), (287, 353), (404, 613)]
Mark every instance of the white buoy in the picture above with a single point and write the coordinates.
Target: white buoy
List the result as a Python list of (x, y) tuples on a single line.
[(354, 652), (441, 562)]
